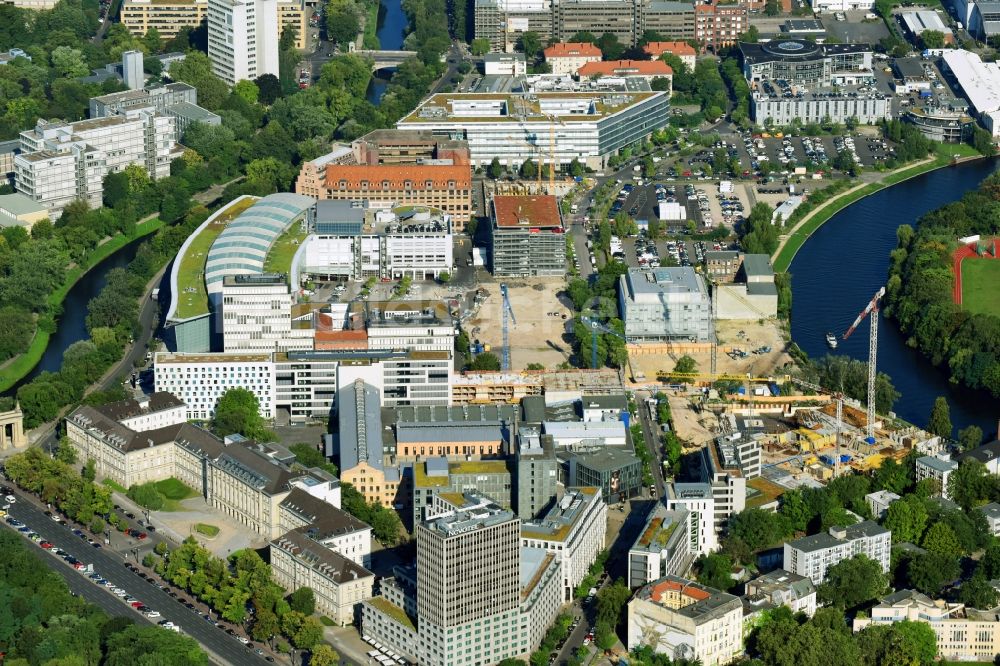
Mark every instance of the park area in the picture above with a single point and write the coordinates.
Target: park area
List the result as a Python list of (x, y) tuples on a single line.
[(981, 286)]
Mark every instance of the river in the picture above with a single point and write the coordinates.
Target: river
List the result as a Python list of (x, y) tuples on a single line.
[(72, 326), (843, 264), (391, 31)]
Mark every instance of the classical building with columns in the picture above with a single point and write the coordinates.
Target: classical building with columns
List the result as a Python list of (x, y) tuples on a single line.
[(12, 429)]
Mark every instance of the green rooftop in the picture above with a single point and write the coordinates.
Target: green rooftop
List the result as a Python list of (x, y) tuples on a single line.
[(656, 533), (279, 257), (192, 295), (421, 480), (393, 611), (478, 467), (760, 491)]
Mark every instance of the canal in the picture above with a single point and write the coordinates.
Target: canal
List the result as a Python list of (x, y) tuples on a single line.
[(391, 31), (844, 263), (71, 326)]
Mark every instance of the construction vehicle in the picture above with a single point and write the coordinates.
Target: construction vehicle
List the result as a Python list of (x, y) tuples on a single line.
[(872, 309), (508, 314)]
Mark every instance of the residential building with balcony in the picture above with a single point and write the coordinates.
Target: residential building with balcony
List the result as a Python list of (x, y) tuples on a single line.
[(811, 556)]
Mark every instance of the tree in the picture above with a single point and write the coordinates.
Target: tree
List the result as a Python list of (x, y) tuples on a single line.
[(247, 91), (941, 539), (940, 420), (930, 572), (906, 519), (309, 456), (528, 169), (772, 8), (238, 411), (69, 62), (891, 476), (758, 528), (269, 88), (89, 471), (970, 437), (324, 655), (850, 583), (485, 361), (978, 593), (342, 23), (309, 633), (66, 452), (576, 169), (495, 170), (686, 366), (970, 484), (529, 44), (480, 46), (716, 570), (303, 600), (905, 643), (932, 39)]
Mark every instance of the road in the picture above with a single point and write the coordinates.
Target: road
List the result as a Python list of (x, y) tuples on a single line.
[(650, 431), (222, 648)]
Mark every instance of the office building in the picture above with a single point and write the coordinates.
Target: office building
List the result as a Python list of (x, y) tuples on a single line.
[(437, 476), (827, 6), (750, 293), (803, 63), (665, 304), (62, 162), (536, 473), (697, 501), (773, 108), (504, 64), (588, 121), (574, 531), (615, 17), (812, 556), (502, 22), (392, 146), (727, 464), (567, 58), (780, 588), (527, 237), (339, 585), (461, 433), (132, 72), (963, 634), (443, 186), (938, 468), (243, 38), (686, 620), (665, 17), (327, 524), (351, 242), (17, 209), (719, 25), (684, 52), (662, 549), (256, 315), (979, 83), (616, 471), (360, 457), (568, 434), (177, 100)]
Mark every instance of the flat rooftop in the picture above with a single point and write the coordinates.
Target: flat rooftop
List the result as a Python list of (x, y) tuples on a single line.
[(559, 522)]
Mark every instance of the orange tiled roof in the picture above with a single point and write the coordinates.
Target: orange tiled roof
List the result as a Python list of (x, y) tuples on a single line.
[(535, 211), (399, 176), (656, 594), (656, 49), (625, 67), (572, 50)]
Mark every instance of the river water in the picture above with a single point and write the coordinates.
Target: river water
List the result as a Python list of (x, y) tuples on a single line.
[(391, 31), (843, 264)]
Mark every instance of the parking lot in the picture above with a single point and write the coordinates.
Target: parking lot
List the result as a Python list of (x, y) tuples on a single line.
[(701, 203), (642, 252)]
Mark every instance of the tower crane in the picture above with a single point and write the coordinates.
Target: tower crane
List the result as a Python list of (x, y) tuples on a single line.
[(839, 397), (596, 327), (872, 309), (508, 316)]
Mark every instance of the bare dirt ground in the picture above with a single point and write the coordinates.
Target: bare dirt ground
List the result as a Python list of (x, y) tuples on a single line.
[(537, 332), (756, 334), (692, 427)]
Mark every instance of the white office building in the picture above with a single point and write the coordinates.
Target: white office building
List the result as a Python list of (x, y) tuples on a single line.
[(827, 6), (257, 315), (665, 304), (663, 548), (574, 531), (698, 501), (243, 38), (812, 556), (62, 162)]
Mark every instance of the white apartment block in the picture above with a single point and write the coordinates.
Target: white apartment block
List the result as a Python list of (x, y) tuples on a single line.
[(782, 588), (663, 548), (936, 467), (243, 38), (574, 531), (61, 162), (257, 315), (963, 634), (338, 583), (812, 556), (681, 618), (879, 502), (326, 524), (698, 500)]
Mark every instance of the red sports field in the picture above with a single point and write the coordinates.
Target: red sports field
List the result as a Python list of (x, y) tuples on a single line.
[(977, 278)]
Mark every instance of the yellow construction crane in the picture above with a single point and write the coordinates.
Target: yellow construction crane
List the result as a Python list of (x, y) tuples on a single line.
[(713, 377)]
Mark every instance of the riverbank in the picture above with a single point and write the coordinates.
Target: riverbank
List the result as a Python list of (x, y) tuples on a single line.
[(800, 233), (16, 369)]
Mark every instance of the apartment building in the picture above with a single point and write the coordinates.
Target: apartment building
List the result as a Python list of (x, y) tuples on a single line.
[(568, 57), (663, 547), (812, 556), (720, 25), (574, 531), (62, 162), (781, 588), (684, 619), (527, 237), (350, 241), (243, 38), (444, 186), (939, 468), (646, 69), (327, 525), (438, 476), (727, 464), (697, 500), (665, 304), (617, 17), (963, 634), (480, 597), (393, 146), (170, 16), (339, 584), (684, 52), (879, 502)]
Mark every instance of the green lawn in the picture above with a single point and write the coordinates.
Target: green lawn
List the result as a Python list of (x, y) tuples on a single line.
[(114, 485), (192, 295), (173, 489), (981, 286), (279, 257), (210, 531)]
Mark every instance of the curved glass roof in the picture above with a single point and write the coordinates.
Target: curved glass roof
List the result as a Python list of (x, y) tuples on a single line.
[(242, 247)]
